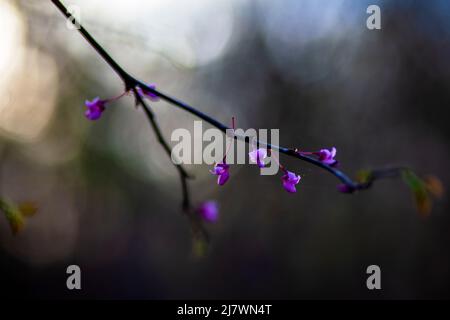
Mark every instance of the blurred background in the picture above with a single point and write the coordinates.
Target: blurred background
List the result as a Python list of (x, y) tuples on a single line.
[(109, 200)]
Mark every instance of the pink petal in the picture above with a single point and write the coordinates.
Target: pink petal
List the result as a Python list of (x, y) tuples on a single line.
[(92, 114), (209, 211), (290, 179), (92, 103), (289, 187), (150, 95), (261, 163), (223, 178), (333, 152), (257, 156), (324, 154)]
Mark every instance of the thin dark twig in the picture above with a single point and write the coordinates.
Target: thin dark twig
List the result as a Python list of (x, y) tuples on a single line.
[(196, 225), (130, 83), (182, 172)]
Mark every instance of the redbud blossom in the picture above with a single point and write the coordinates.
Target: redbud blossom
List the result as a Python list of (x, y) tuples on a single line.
[(290, 179), (327, 156), (257, 156), (95, 108), (344, 188), (147, 94), (209, 211), (222, 171)]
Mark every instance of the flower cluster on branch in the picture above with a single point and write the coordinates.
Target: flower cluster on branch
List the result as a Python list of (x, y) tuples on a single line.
[(208, 211)]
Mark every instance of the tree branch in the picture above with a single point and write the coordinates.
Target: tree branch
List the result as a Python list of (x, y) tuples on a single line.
[(182, 172), (131, 83), (196, 225)]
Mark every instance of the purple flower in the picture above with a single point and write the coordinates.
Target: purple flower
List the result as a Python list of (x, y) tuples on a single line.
[(290, 179), (145, 93), (344, 188), (209, 211), (222, 171), (327, 156), (94, 108), (257, 156)]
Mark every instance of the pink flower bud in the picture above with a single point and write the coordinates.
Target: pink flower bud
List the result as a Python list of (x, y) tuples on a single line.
[(222, 171), (95, 108), (209, 211), (290, 179)]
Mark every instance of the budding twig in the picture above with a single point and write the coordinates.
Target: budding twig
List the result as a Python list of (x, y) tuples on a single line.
[(132, 83)]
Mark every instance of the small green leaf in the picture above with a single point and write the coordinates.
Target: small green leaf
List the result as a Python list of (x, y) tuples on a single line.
[(420, 192), (434, 186), (199, 247), (412, 180), (363, 176), (13, 215)]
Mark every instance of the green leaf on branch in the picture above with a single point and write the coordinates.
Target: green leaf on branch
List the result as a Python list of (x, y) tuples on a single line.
[(13, 215), (363, 176), (16, 214), (422, 190), (434, 186)]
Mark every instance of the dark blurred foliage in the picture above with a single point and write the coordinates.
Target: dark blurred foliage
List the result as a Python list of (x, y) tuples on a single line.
[(109, 200)]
